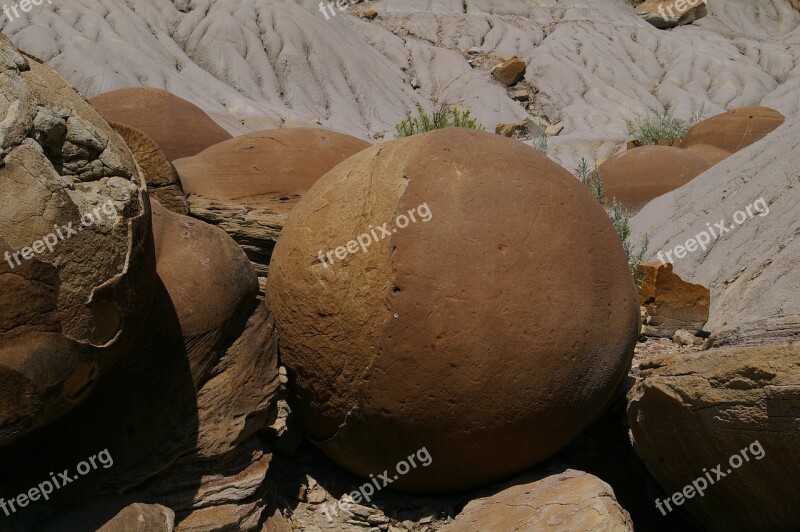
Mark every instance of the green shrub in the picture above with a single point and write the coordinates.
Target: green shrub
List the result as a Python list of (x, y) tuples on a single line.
[(540, 143), (663, 126), (620, 218), (443, 115)]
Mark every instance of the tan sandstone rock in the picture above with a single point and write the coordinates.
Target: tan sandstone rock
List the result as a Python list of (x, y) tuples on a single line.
[(78, 272), (691, 413), (569, 500), (733, 130), (671, 303), (636, 177), (247, 185), (509, 72), (141, 518), (179, 127), (429, 337)]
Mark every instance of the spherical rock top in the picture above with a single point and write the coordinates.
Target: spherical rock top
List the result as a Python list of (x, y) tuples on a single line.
[(734, 130), (489, 320)]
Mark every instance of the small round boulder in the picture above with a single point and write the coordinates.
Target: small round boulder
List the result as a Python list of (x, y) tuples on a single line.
[(636, 177), (456, 292), (733, 130)]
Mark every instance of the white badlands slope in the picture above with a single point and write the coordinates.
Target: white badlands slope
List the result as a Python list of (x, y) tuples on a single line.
[(254, 64)]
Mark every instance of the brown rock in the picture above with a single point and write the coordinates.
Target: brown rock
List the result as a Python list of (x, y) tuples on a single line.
[(389, 349), (141, 518), (734, 130), (710, 154), (266, 165), (691, 413), (180, 128), (510, 72), (77, 303), (159, 174), (509, 130), (671, 302), (370, 14), (570, 500), (636, 177), (665, 14), (247, 185)]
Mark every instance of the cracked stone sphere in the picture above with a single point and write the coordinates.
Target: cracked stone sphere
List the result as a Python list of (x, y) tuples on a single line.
[(489, 321), (78, 264)]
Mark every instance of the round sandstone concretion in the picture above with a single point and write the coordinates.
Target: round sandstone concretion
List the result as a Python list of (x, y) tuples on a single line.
[(491, 331), (734, 130), (636, 177), (78, 265), (275, 163), (710, 154), (179, 127)]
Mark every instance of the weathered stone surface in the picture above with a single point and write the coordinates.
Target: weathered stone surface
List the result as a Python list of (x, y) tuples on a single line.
[(388, 350), (569, 500), (278, 164), (509, 72), (509, 130), (159, 174), (141, 518), (635, 177), (751, 268), (671, 302), (690, 413), (246, 186), (665, 14), (180, 128), (734, 130), (73, 308)]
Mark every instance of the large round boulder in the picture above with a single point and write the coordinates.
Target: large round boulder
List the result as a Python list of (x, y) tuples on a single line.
[(489, 331), (733, 130), (78, 267), (276, 164), (179, 127), (635, 177)]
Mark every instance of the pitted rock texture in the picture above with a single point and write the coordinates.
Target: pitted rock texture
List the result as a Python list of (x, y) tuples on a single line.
[(445, 334), (728, 400), (78, 268), (635, 177)]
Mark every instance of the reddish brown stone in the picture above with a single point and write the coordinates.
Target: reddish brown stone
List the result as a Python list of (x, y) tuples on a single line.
[(458, 334), (179, 127), (734, 130), (635, 177), (671, 302)]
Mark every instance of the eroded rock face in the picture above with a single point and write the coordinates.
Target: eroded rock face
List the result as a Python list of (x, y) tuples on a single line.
[(569, 500), (247, 185), (671, 303), (141, 518), (734, 130), (159, 174), (690, 413), (404, 345), (635, 177), (79, 268), (180, 128)]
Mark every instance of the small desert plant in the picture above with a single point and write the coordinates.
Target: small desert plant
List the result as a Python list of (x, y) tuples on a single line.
[(620, 218), (663, 126), (443, 115), (540, 143)]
